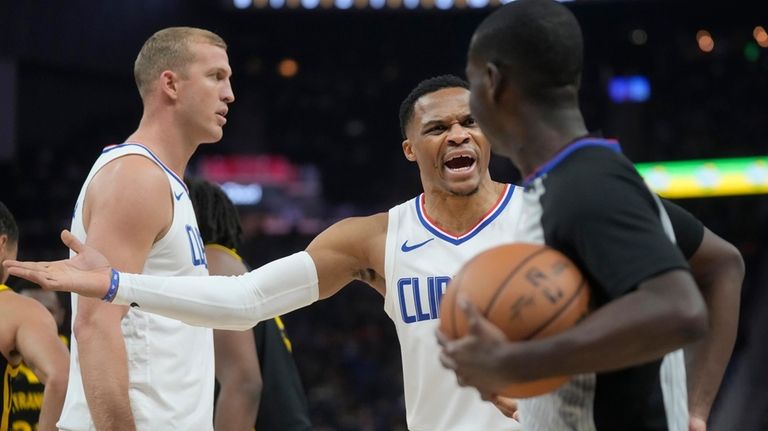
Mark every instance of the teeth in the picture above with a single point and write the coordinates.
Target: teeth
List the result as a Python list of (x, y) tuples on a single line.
[(459, 157)]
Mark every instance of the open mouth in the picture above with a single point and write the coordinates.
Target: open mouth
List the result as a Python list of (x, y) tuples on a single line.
[(460, 163)]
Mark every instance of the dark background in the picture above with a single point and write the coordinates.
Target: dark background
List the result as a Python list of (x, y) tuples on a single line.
[(66, 90)]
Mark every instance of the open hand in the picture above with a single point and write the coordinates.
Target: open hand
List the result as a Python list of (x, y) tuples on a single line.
[(87, 274)]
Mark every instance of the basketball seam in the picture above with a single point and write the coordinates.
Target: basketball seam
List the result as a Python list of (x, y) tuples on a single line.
[(509, 276), (575, 295)]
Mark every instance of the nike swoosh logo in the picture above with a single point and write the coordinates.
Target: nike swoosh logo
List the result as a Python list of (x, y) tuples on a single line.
[(406, 248), (178, 196)]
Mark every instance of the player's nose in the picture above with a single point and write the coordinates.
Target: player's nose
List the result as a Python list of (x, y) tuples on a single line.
[(458, 135), (228, 95)]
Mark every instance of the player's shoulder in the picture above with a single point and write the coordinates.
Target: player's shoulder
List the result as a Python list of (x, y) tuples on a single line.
[(131, 177), (17, 309), (132, 193), (134, 167)]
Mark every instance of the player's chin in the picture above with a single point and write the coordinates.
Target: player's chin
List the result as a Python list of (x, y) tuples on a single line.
[(465, 188), (214, 135)]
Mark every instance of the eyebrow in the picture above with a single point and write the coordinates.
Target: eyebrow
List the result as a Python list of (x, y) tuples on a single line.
[(218, 69), (436, 122)]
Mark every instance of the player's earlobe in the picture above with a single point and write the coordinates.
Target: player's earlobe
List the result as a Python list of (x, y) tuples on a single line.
[(408, 151), (169, 84)]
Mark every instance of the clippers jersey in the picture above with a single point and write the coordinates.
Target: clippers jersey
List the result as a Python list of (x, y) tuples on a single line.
[(590, 203), (170, 363), (420, 259)]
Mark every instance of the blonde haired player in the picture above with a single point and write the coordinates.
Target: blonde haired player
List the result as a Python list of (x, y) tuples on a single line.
[(131, 370)]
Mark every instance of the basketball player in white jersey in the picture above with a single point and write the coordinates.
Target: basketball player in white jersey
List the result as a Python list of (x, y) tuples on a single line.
[(408, 255), (131, 370)]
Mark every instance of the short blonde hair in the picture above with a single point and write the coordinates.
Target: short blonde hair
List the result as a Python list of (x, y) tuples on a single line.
[(168, 49)]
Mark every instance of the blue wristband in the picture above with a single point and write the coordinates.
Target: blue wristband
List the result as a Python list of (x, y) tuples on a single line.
[(113, 284)]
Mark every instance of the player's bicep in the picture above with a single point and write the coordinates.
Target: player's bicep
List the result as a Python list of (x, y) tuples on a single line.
[(715, 257), (129, 207), (339, 254)]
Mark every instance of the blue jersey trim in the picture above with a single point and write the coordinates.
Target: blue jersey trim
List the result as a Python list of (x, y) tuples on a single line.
[(466, 237), (151, 154), (567, 151)]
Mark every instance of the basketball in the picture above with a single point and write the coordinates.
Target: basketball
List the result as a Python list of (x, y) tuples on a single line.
[(528, 290)]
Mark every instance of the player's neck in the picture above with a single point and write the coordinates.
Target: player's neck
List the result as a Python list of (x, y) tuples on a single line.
[(166, 142), (458, 214)]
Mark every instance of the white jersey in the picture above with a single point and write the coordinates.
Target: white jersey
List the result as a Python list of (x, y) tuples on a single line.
[(420, 261), (170, 364)]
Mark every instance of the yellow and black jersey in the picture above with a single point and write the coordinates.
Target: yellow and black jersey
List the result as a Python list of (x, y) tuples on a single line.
[(283, 402), (9, 373), (26, 400), (27, 397), (22, 394)]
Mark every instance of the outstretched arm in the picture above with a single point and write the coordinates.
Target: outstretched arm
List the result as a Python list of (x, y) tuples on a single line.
[(237, 302), (337, 256), (351, 249)]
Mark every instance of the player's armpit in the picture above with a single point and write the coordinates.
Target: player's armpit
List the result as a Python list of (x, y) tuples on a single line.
[(350, 249)]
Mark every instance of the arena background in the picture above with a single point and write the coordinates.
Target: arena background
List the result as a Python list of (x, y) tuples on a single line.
[(313, 136)]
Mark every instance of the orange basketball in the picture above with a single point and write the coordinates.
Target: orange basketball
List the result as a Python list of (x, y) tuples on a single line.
[(527, 290)]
